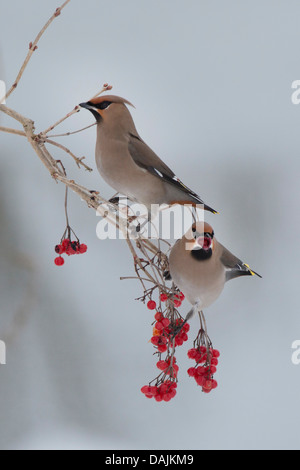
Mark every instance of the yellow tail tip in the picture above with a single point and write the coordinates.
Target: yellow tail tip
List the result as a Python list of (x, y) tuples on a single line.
[(253, 273)]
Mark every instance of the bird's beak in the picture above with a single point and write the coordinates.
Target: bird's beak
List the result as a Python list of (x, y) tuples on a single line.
[(89, 106), (86, 106)]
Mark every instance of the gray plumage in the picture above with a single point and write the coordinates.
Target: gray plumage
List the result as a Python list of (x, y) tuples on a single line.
[(201, 273), (128, 164)]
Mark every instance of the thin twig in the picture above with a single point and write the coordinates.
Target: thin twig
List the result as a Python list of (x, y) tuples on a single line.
[(71, 133), (32, 48), (134, 278), (77, 109), (106, 87), (79, 161), (74, 111)]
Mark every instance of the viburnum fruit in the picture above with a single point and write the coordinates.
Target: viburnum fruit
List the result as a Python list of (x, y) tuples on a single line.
[(151, 305), (164, 331), (70, 248), (204, 373), (170, 330), (161, 392), (163, 297), (177, 298), (59, 261), (168, 366)]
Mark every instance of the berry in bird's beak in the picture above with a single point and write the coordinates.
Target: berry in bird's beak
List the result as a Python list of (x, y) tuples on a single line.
[(204, 242)]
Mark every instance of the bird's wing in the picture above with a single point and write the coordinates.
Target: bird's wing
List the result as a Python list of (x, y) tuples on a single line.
[(234, 266), (144, 157)]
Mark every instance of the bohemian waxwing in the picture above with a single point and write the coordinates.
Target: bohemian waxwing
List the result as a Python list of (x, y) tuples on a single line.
[(127, 163), (200, 266)]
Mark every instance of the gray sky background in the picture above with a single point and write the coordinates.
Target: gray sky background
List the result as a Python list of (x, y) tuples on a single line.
[(211, 82)]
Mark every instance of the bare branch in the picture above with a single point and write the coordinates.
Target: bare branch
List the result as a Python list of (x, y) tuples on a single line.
[(74, 111), (32, 48), (77, 109), (79, 161), (12, 131), (72, 133), (150, 262)]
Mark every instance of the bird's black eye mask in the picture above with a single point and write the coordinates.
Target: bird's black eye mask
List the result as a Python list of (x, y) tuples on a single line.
[(93, 108), (205, 234), (102, 105)]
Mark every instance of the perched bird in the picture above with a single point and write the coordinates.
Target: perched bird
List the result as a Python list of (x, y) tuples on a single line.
[(200, 266), (127, 163)]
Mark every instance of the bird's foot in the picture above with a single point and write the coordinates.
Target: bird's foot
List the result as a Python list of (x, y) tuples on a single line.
[(114, 200)]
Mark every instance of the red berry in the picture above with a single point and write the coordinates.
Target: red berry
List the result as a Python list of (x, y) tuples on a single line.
[(151, 305), (72, 249), (208, 384), (182, 296), (162, 348), (216, 353), (165, 322), (158, 397), (59, 261), (162, 340), (167, 397), (184, 336), (59, 249), (178, 341), (191, 371), (155, 340), (82, 248), (214, 384), (214, 361), (192, 353), (65, 244), (146, 389), (163, 297), (200, 380), (203, 359), (159, 326), (164, 388), (162, 365), (200, 371), (158, 316)]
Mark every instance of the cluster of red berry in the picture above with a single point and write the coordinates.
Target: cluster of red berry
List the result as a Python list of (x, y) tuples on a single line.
[(69, 248), (163, 332), (204, 374), (163, 392), (170, 331), (165, 338)]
